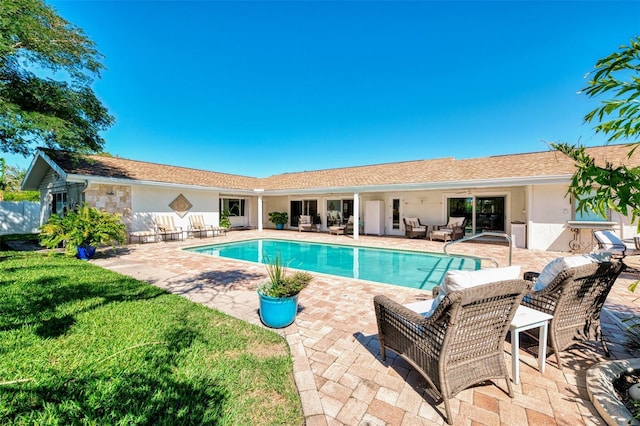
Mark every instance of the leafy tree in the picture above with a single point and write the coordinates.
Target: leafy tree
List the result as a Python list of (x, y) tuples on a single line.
[(3, 182), (617, 187), (36, 109), (11, 178)]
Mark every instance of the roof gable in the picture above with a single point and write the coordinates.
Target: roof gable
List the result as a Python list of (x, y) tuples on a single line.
[(121, 168)]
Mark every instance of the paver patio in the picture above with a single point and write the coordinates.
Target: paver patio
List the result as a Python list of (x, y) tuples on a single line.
[(337, 364)]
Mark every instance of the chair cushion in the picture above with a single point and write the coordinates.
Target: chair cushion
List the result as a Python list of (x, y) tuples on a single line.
[(608, 239), (420, 228), (455, 222), (559, 264), (412, 221), (459, 280), (304, 219)]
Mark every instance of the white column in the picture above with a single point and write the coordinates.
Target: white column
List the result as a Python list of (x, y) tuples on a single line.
[(356, 216), (529, 238), (259, 212)]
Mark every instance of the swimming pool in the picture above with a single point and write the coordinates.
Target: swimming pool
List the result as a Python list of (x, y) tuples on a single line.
[(403, 268)]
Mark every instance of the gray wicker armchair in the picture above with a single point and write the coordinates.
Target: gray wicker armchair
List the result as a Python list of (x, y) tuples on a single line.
[(461, 344), (575, 298), (413, 228)]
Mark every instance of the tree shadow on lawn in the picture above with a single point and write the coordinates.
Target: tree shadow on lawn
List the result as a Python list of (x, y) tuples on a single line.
[(39, 303)]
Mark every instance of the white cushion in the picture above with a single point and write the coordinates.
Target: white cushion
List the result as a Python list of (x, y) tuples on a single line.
[(459, 280), (421, 307), (608, 239), (304, 219), (561, 263), (420, 228)]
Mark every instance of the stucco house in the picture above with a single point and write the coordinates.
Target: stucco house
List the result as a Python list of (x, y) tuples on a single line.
[(491, 192)]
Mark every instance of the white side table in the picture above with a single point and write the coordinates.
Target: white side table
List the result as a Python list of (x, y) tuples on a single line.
[(526, 319)]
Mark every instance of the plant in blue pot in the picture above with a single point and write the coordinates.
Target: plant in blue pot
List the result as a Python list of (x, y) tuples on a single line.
[(81, 230), (279, 295), (279, 219)]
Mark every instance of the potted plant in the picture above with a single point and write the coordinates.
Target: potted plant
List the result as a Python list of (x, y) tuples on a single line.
[(279, 219), (279, 295), (317, 221), (82, 230), (225, 222)]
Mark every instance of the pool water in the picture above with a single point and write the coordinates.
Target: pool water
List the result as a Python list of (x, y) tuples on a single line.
[(403, 268)]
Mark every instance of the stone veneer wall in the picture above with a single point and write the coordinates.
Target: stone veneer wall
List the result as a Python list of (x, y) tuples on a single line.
[(111, 198)]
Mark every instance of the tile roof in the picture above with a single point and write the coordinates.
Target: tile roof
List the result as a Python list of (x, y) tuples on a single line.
[(437, 171), (503, 167), (120, 168)]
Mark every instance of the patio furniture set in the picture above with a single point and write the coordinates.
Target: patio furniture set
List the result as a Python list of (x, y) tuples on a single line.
[(457, 339), (453, 230)]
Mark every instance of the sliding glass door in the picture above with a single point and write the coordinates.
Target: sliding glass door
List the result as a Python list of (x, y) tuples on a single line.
[(490, 214), (462, 207), (483, 214), (302, 207), (339, 211)]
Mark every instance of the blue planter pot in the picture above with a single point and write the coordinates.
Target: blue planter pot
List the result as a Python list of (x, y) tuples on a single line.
[(278, 312), (86, 252), (279, 225)]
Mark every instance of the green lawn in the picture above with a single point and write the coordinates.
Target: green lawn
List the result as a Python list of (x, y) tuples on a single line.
[(83, 345)]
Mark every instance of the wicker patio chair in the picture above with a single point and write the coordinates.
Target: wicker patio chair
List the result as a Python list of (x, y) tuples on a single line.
[(575, 298), (453, 230), (305, 223), (461, 344), (413, 228)]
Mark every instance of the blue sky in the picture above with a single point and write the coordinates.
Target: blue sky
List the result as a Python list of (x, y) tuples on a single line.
[(260, 88)]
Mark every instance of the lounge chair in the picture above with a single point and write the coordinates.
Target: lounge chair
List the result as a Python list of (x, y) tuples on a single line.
[(167, 229), (608, 241), (574, 296), (143, 236), (461, 343), (199, 227), (305, 223), (453, 230), (413, 228)]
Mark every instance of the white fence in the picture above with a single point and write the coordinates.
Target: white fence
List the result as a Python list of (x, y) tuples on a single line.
[(19, 217)]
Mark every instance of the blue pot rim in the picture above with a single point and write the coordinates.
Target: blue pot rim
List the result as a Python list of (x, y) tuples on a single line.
[(277, 298)]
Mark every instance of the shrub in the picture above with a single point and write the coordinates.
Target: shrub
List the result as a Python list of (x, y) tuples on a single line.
[(86, 226)]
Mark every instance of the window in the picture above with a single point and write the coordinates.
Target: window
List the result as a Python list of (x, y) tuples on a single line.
[(338, 211), (234, 206), (589, 215), (461, 207), (59, 203), (334, 208), (395, 216)]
